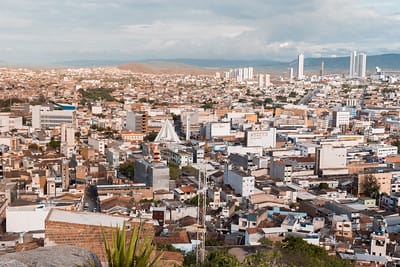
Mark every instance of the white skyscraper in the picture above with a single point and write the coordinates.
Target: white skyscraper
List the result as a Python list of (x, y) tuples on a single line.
[(261, 83), (353, 64), (239, 76), (300, 66), (362, 65), (251, 73), (267, 80), (290, 74), (245, 74), (358, 65)]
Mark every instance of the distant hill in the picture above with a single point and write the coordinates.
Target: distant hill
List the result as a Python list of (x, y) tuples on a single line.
[(90, 63), (165, 67), (209, 66), (341, 64)]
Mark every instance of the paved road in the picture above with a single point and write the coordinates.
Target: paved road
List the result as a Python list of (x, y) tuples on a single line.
[(91, 200), (306, 99)]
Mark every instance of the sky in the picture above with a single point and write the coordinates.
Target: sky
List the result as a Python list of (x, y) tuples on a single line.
[(49, 31)]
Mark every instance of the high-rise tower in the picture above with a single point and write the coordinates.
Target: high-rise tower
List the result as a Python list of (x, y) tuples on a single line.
[(353, 64), (300, 66), (362, 65), (321, 70)]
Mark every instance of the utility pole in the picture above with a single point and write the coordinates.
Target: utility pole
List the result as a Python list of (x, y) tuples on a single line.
[(201, 218)]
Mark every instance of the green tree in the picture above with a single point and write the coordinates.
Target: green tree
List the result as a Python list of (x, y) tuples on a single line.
[(292, 94), (265, 241), (281, 98), (150, 137), (34, 146), (173, 171), (190, 259), (268, 101), (323, 186), (189, 170), (220, 258), (396, 143), (54, 144), (371, 186), (214, 242), (263, 258), (298, 252), (127, 169), (257, 102), (137, 252)]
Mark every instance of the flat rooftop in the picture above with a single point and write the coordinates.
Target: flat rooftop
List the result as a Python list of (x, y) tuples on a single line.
[(87, 218)]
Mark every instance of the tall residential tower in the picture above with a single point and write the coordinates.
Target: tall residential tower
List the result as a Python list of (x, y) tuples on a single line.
[(358, 65), (300, 66)]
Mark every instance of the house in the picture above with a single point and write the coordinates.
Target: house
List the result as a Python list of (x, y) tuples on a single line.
[(185, 192), (341, 225)]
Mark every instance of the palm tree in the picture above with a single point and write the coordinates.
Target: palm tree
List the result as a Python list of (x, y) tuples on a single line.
[(137, 253)]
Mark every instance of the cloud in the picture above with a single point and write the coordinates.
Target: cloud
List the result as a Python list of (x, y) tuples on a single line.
[(176, 30), (57, 30)]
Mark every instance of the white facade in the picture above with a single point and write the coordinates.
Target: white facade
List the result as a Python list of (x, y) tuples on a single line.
[(261, 81), (264, 138), (97, 109), (353, 64), (217, 129), (242, 183), (67, 135), (257, 150), (382, 151), (42, 117), (290, 74), (251, 73), (300, 66), (329, 157), (7, 123), (267, 80), (97, 144), (358, 65), (340, 118), (362, 65), (26, 218)]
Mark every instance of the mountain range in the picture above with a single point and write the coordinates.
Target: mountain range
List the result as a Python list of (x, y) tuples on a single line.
[(337, 64), (204, 66)]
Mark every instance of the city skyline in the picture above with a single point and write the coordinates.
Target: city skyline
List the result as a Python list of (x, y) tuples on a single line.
[(46, 32)]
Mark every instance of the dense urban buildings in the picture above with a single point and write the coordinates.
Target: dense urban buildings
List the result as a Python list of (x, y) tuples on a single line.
[(242, 158)]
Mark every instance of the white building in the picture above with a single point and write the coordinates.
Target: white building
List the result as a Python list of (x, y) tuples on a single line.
[(97, 109), (362, 65), (358, 65), (329, 158), (251, 73), (290, 74), (242, 183), (267, 80), (382, 151), (112, 156), (67, 134), (263, 138), (340, 118), (282, 170), (300, 66), (97, 144), (217, 129), (261, 81), (7, 123), (26, 218), (44, 117)]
